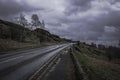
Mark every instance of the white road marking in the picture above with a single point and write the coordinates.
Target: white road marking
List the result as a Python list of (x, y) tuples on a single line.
[(11, 59)]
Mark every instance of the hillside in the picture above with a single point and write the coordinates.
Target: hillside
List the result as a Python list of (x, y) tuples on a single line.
[(14, 36)]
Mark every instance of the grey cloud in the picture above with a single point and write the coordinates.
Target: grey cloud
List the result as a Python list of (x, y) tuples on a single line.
[(77, 5), (9, 8), (113, 1), (111, 19), (54, 24), (81, 29)]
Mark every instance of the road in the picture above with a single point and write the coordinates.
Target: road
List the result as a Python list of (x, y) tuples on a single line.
[(21, 65), (62, 69)]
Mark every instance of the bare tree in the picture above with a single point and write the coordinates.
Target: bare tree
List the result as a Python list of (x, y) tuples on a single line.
[(43, 24), (23, 20), (35, 20)]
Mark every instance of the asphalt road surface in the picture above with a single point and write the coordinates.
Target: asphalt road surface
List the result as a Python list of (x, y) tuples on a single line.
[(63, 68), (21, 65)]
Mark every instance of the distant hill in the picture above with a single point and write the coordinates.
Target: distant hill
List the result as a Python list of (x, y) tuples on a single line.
[(11, 31), (17, 32)]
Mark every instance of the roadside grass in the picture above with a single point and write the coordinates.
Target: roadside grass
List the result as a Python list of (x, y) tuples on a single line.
[(96, 53), (11, 45), (97, 69)]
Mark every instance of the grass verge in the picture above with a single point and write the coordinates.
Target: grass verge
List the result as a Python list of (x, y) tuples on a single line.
[(10, 45), (97, 69)]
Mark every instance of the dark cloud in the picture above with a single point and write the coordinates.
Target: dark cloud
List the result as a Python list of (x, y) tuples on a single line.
[(77, 5), (92, 27), (9, 8), (111, 19), (92, 30)]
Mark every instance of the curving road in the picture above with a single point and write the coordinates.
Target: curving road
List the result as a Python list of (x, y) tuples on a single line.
[(21, 65)]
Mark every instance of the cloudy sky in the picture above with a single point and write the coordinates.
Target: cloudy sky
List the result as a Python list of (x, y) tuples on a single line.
[(73, 19)]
